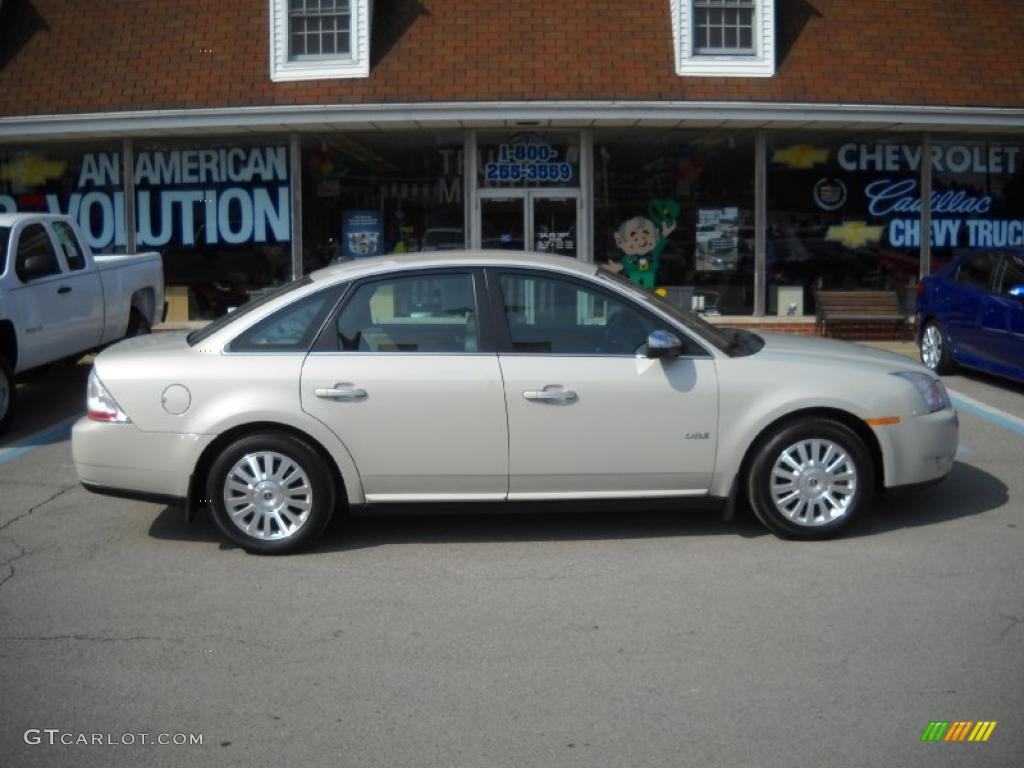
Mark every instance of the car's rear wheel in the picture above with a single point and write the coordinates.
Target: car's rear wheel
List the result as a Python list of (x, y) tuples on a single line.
[(935, 349), (8, 393), (811, 479), (271, 493)]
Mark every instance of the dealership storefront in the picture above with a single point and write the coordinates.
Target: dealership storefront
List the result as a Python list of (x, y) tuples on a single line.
[(748, 220)]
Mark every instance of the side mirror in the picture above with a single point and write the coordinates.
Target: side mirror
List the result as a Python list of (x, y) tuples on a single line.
[(665, 345), (35, 266)]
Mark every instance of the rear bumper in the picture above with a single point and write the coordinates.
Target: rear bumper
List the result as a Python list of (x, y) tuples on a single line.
[(122, 458), (920, 450)]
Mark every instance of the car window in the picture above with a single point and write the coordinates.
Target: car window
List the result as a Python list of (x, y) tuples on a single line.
[(976, 271), (36, 257), (243, 311), (289, 329), (5, 236), (556, 316), (415, 313), (1012, 280), (68, 241)]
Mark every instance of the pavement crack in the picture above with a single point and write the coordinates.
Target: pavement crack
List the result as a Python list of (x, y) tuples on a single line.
[(1015, 621), (34, 507), (87, 638)]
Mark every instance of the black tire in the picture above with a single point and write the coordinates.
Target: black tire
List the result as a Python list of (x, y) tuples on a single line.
[(267, 536), (934, 333), (815, 518), (138, 325), (8, 394)]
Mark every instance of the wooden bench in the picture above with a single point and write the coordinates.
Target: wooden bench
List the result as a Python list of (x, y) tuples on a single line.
[(836, 307)]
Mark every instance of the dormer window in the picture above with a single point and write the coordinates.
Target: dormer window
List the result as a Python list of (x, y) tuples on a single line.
[(319, 39), (730, 38)]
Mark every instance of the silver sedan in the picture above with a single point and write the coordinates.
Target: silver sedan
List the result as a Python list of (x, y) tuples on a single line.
[(462, 378)]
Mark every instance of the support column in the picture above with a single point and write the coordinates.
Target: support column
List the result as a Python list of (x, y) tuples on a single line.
[(926, 205), (128, 186), (295, 177), (760, 222)]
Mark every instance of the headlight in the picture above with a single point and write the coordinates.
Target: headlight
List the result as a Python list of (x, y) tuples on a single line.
[(99, 403), (932, 392)]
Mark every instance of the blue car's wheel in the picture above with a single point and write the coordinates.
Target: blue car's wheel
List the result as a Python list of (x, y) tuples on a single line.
[(935, 351)]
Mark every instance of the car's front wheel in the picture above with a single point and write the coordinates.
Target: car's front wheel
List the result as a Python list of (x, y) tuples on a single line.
[(811, 479), (271, 493), (935, 352)]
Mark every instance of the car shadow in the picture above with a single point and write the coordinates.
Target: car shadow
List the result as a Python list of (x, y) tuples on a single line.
[(967, 491), (48, 399), (981, 377), (360, 532)]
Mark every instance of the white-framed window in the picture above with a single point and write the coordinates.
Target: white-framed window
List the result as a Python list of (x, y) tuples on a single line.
[(731, 38), (318, 39)]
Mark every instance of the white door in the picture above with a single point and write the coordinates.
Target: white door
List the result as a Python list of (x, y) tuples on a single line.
[(402, 381), (81, 292), (587, 417)]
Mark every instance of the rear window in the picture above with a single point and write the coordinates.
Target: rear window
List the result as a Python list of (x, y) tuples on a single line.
[(207, 331), (5, 236)]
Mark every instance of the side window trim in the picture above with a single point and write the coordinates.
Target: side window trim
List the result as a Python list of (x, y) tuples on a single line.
[(326, 342), (339, 289), (504, 335)]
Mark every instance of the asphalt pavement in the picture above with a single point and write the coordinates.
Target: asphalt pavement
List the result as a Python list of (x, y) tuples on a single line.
[(652, 639)]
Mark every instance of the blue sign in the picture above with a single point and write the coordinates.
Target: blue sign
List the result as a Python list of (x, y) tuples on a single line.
[(362, 234)]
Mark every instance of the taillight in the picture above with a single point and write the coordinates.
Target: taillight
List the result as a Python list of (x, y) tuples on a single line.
[(100, 405)]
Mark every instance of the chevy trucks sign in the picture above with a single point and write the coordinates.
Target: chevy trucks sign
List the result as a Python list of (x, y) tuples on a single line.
[(188, 197)]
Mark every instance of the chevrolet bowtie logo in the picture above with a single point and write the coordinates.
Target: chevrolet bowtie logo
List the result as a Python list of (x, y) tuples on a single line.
[(854, 233), (32, 171), (800, 156)]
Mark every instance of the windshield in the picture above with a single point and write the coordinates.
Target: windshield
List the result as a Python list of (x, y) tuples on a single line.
[(5, 235), (717, 336), (225, 320)]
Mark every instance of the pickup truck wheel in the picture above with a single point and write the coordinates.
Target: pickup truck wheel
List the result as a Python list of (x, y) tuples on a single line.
[(271, 493), (811, 479), (8, 393), (138, 325)]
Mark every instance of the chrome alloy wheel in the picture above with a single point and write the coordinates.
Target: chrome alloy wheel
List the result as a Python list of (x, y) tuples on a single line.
[(931, 347), (267, 495), (813, 482)]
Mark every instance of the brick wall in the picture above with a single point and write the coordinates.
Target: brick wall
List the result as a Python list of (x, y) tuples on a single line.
[(65, 56)]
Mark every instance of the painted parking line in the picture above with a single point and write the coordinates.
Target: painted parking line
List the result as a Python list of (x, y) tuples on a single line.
[(43, 437), (991, 413)]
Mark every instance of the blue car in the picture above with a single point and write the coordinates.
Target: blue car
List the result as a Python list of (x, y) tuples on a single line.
[(971, 313)]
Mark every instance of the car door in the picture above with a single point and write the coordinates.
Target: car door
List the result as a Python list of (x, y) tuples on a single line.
[(38, 300), (1006, 310), (589, 417), (964, 301), (407, 380), (82, 298)]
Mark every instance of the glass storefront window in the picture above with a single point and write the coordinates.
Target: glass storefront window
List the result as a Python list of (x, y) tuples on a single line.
[(220, 213), (675, 210), (977, 196), (80, 180), (366, 194), (843, 211)]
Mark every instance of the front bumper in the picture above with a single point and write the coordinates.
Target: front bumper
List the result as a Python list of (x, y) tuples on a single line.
[(920, 449), (122, 457)]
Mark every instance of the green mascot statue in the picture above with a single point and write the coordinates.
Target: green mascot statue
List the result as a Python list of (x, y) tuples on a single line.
[(642, 240)]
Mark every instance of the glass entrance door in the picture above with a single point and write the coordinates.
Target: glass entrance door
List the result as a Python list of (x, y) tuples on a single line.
[(530, 220), (554, 225)]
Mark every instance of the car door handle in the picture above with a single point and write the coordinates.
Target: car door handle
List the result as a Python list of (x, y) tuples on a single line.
[(64, 289), (551, 395), (341, 392)]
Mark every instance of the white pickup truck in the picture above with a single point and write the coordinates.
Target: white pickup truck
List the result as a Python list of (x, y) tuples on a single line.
[(58, 300)]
